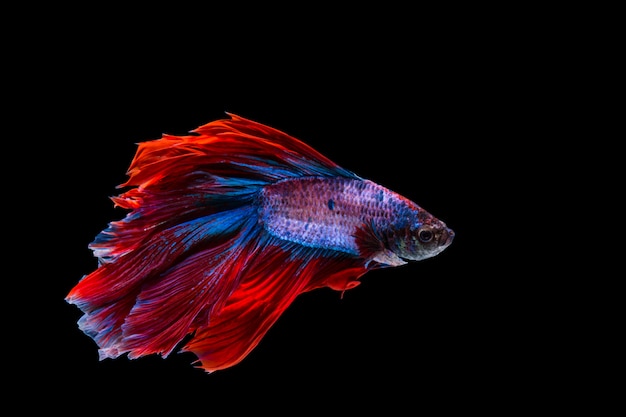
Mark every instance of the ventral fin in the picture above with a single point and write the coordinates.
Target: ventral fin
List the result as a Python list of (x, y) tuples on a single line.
[(387, 257)]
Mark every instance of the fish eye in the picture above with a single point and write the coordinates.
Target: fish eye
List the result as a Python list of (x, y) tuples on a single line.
[(425, 235)]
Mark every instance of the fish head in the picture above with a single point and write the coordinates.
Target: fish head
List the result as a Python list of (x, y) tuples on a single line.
[(423, 237)]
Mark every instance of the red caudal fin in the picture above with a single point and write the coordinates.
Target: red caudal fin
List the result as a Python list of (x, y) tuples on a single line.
[(184, 250), (145, 301)]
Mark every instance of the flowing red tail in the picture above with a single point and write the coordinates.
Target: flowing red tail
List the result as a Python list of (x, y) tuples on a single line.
[(191, 256)]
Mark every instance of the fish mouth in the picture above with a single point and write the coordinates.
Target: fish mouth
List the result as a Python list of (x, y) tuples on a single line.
[(446, 238)]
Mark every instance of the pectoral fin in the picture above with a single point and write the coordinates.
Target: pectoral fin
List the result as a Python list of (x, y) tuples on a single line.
[(372, 248)]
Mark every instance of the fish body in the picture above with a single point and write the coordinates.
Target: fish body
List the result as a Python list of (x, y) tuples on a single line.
[(336, 214), (226, 227)]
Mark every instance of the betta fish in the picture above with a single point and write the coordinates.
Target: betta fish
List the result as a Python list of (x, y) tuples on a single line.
[(225, 227)]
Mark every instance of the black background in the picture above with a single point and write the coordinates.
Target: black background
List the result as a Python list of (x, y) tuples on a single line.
[(439, 112)]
